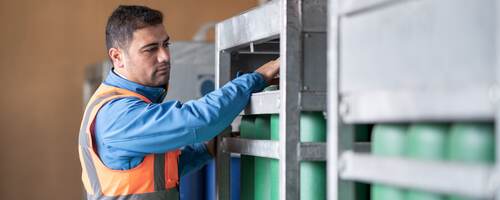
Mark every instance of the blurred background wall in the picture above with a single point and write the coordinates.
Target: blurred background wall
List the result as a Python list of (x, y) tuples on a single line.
[(45, 47)]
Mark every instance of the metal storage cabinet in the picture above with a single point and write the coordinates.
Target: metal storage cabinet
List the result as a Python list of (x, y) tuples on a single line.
[(295, 31), (94, 75), (410, 61), (192, 70)]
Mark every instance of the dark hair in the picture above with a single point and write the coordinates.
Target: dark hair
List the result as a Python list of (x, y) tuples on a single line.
[(125, 20)]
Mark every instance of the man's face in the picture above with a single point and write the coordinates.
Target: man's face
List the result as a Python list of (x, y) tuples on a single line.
[(147, 60)]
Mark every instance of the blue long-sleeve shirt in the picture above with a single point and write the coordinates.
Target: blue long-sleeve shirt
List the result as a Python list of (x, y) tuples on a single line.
[(127, 129)]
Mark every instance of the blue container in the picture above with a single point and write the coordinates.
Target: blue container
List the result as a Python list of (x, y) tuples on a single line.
[(192, 186), (235, 179), (210, 180)]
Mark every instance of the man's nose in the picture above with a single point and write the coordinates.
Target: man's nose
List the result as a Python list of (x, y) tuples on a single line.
[(163, 55)]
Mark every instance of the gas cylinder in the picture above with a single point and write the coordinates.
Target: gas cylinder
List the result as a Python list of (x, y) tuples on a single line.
[(472, 143), (426, 141), (388, 140)]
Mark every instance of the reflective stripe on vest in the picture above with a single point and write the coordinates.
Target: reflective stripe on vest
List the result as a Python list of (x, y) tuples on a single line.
[(156, 177)]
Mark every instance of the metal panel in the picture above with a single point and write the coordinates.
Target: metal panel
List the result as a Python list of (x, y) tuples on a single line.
[(350, 7), (314, 16), (261, 148), (418, 46), (313, 101), (475, 181), (450, 38), (314, 62), (256, 24)]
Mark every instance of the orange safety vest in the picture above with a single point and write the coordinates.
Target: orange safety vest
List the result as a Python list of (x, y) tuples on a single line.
[(155, 178)]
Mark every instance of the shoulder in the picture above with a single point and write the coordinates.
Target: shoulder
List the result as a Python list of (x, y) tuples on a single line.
[(128, 108), (121, 104), (117, 108)]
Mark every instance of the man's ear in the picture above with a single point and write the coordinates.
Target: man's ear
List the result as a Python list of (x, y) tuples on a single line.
[(116, 56)]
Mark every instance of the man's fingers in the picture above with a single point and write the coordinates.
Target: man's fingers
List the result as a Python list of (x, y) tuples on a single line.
[(269, 70)]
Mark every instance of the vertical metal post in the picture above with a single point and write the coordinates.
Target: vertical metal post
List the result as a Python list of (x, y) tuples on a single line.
[(340, 136), (290, 83), (223, 169), (332, 103), (223, 159), (496, 94)]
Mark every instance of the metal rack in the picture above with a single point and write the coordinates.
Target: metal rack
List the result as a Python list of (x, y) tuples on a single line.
[(410, 61), (296, 32)]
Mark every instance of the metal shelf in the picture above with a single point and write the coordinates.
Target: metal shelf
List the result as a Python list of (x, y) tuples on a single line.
[(474, 181), (263, 103), (260, 148), (465, 104), (308, 151), (269, 102)]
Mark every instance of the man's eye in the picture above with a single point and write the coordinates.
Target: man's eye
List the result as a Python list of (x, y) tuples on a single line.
[(166, 44), (151, 49)]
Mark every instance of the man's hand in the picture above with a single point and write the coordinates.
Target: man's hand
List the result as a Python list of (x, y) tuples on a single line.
[(269, 70)]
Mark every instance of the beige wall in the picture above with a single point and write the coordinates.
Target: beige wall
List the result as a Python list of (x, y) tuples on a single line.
[(45, 46)]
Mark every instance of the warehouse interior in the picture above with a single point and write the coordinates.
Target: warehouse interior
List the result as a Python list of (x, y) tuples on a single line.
[(375, 99)]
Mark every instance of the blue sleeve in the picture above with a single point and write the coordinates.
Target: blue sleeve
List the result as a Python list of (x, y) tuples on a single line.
[(134, 128), (193, 157)]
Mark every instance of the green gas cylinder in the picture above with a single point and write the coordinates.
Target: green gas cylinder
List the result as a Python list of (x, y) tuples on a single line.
[(247, 127), (388, 140), (275, 170), (312, 174), (471, 143), (247, 169), (426, 141), (271, 88), (262, 172)]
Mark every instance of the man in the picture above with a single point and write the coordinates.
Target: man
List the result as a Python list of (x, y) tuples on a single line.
[(131, 145)]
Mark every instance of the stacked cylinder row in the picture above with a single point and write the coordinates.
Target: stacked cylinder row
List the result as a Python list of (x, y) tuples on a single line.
[(260, 176), (466, 143)]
